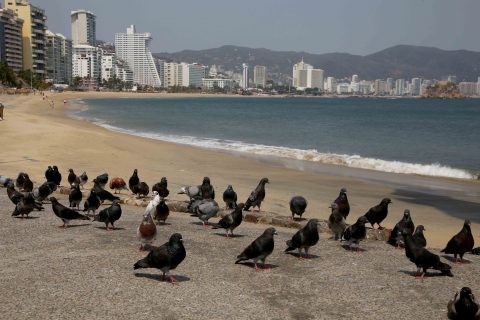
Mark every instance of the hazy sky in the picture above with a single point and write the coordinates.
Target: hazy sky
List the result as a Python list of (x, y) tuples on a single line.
[(316, 26)]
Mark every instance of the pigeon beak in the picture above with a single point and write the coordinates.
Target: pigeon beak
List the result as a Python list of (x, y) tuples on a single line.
[(275, 232)]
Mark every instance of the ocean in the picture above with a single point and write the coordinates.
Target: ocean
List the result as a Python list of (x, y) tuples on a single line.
[(410, 136)]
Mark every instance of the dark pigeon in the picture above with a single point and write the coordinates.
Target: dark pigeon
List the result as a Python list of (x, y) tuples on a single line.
[(231, 220), (82, 179), (71, 177), (378, 213), (24, 206), (206, 189), (102, 180), (463, 306), (342, 203), (230, 198), (162, 188), (396, 237), (166, 257), (92, 203), (298, 204), (13, 194), (44, 191), (460, 243), (49, 174), (259, 249), (66, 214), (56, 175), (304, 238), (336, 222), (141, 190), (134, 180), (418, 236), (109, 215), (257, 196), (27, 184), (356, 232), (423, 258), (103, 194), (161, 211), (20, 180), (75, 197), (205, 209)]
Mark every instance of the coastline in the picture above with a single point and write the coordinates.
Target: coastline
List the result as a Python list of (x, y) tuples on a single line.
[(35, 136)]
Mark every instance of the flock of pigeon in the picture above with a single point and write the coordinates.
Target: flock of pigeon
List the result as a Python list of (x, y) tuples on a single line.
[(202, 204)]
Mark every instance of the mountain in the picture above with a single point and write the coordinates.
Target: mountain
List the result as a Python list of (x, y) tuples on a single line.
[(402, 61)]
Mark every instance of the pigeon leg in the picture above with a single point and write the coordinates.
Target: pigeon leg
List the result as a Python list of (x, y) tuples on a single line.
[(300, 255), (226, 233), (307, 256)]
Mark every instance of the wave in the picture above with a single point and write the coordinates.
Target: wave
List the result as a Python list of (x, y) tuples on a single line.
[(354, 161)]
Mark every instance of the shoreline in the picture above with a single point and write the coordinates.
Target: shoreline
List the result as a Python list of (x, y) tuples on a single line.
[(31, 130)]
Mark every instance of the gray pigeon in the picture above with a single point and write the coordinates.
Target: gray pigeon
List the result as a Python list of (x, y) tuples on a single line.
[(298, 204), (257, 196), (64, 213), (230, 197), (193, 192), (232, 220), (75, 196), (304, 238), (81, 179), (110, 215), (356, 232), (206, 209), (259, 249), (24, 206), (5, 181), (336, 222), (463, 306)]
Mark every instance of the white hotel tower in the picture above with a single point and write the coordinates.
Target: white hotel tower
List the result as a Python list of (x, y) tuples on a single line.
[(132, 48)]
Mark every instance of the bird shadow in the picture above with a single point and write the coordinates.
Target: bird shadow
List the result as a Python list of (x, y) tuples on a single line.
[(78, 225), (163, 224), (356, 249), (299, 219), (230, 236), (26, 218), (251, 265), (452, 259), (427, 274), (297, 255), (105, 228), (158, 277)]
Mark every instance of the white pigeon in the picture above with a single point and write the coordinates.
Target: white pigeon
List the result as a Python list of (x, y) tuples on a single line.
[(152, 204)]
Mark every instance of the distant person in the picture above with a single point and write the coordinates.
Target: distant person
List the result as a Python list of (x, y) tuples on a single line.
[(64, 101), (1, 110)]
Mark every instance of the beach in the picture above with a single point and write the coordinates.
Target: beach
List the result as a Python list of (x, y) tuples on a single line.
[(35, 135)]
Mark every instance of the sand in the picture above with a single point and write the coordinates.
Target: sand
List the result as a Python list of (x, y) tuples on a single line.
[(34, 135)]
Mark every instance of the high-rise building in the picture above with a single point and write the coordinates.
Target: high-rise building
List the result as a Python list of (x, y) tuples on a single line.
[(380, 87), (83, 28), (196, 73), (415, 87), (170, 76), (244, 82), (59, 58), (33, 34), (87, 64), (389, 88), (108, 65), (11, 39), (123, 72), (399, 87), (260, 76), (299, 79), (331, 85), (468, 88), (132, 47)]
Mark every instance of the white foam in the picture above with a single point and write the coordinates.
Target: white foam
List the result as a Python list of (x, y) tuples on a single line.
[(354, 161)]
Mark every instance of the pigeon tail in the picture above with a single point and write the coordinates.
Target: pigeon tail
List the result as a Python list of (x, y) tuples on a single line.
[(290, 246)]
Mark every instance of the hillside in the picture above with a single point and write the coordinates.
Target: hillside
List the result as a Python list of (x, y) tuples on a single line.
[(402, 61)]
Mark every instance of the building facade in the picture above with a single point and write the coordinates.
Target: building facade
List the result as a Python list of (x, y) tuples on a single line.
[(211, 83), (83, 28), (59, 58), (260, 76), (33, 35), (244, 80), (108, 65), (299, 79), (11, 47), (86, 64), (132, 47)]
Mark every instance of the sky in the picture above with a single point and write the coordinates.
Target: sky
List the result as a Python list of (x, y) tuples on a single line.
[(315, 26)]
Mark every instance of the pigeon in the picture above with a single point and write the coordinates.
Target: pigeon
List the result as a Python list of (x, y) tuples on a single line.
[(20, 180), (231, 220), (44, 191), (66, 214), (75, 197), (423, 258), (463, 306), (460, 243), (206, 189), (147, 231), (92, 203), (103, 194), (230, 198), (161, 188), (152, 204), (476, 251), (378, 213), (356, 232), (161, 211), (5, 181), (71, 177), (134, 180), (49, 174), (304, 238), (24, 206), (418, 236), (109, 215), (259, 249), (102, 180), (206, 209), (336, 222), (298, 204), (396, 238), (56, 175), (141, 189), (81, 179), (193, 192), (118, 184), (27, 184), (342, 203), (257, 196), (166, 257), (16, 197)]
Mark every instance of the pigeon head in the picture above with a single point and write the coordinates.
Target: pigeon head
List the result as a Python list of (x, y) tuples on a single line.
[(176, 238), (70, 170), (163, 180), (55, 168), (49, 167), (206, 180), (467, 223), (386, 201), (240, 206), (264, 180), (116, 201), (155, 193), (229, 187), (362, 220), (53, 199), (183, 190), (135, 171), (421, 228), (343, 190), (270, 231), (406, 215), (466, 292), (313, 223)]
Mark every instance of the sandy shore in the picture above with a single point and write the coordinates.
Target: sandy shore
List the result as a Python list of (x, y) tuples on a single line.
[(33, 136)]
